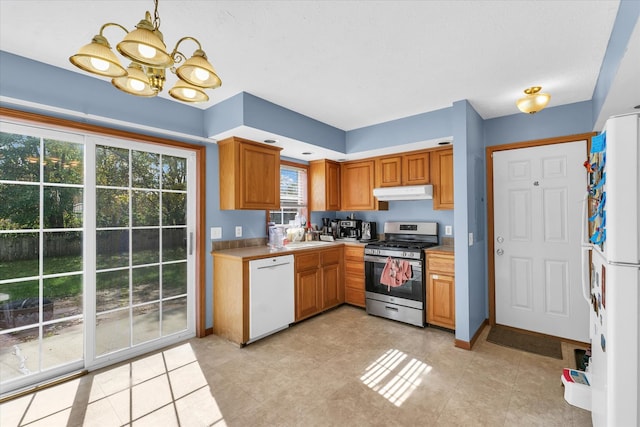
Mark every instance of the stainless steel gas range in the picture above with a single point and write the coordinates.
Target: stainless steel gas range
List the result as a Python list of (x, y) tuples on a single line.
[(395, 271)]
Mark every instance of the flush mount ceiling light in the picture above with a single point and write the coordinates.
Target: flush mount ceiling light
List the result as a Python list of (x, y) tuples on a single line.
[(534, 101), (146, 74)]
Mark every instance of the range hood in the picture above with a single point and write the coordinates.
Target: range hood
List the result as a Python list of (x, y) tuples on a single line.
[(410, 192)]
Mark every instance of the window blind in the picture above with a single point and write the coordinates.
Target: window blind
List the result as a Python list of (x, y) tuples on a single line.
[(293, 196), (293, 186)]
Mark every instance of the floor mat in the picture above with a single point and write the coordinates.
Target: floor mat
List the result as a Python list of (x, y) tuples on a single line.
[(545, 346)]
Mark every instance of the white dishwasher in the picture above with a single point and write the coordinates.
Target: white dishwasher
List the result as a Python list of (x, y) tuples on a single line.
[(271, 295)]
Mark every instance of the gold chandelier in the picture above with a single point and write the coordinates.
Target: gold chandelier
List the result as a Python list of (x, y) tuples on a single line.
[(146, 74), (534, 101)]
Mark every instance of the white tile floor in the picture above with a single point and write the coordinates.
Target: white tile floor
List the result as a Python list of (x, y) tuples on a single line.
[(340, 368)]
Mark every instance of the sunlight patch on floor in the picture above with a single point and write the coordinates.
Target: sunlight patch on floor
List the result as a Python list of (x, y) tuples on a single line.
[(402, 376), (164, 388)]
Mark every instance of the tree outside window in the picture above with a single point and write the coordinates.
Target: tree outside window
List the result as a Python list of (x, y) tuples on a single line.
[(293, 196)]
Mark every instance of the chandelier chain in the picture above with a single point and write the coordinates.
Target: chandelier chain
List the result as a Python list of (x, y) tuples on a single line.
[(156, 16)]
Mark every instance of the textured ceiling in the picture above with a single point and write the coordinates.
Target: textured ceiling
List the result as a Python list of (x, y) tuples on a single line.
[(351, 63)]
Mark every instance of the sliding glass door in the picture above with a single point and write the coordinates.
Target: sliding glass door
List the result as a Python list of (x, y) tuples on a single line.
[(144, 271), (96, 256), (42, 231)]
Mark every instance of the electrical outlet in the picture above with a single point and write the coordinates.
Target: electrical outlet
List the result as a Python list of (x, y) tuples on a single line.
[(470, 239), (238, 231), (448, 230), (216, 233)]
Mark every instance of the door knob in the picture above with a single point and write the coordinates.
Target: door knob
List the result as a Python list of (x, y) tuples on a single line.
[(500, 251)]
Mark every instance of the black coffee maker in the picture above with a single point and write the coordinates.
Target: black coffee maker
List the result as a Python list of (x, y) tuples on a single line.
[(351, 229)]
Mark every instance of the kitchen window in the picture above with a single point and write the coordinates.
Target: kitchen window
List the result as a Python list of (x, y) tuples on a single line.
[(293, 195)]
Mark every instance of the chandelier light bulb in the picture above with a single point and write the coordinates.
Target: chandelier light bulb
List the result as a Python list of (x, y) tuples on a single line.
[(146, 51), (136, 85), (186, 92), (99, 64), (136, 82), (201, 74), (189, 93)]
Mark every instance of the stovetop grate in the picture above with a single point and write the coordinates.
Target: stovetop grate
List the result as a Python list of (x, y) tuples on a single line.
[(398, 244)]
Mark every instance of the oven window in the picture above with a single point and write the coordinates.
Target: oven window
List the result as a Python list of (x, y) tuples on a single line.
[(412, 289)]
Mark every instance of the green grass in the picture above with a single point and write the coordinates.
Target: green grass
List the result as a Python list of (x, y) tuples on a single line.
[(25, 268), (71, 286)]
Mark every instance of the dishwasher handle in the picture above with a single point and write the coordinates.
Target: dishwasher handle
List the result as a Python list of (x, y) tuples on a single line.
[(273, 266)]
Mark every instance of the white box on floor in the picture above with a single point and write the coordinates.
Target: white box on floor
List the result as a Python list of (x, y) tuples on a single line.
[(577, 391)]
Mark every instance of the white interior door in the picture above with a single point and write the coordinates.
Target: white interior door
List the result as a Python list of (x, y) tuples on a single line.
[(538, 195)]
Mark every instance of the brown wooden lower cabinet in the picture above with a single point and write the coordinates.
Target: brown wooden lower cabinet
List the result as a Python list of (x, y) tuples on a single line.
[(319, 284), (332, 288), (354, 289), (231, 298), (308, 288), (441, 290)]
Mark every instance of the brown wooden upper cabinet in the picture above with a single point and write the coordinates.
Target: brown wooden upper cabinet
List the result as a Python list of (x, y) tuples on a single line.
[(249, 174), (324, 176), (358, 182), (390, 171), (442, 178), (404, 169)]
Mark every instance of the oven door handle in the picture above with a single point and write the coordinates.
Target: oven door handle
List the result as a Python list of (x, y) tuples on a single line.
[(383, 260)]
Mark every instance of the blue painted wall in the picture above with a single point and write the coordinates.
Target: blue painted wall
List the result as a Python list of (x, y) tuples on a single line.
[(34, 81), (626, 19), (262, 114), (563, 120), (249, 110), (406, 210), (421, 127), (228, 114), (476, 216), (469, 178)]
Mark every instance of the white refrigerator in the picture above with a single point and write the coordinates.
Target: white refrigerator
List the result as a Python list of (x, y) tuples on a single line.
[(611, 282)]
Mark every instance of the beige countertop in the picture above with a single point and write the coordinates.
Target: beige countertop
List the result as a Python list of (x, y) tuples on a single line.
[(447, 249), (349, 243), (258, 252)]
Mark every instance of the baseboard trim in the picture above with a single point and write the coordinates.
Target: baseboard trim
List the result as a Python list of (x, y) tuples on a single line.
[(468, 345), (465, 345), (208, 331)]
